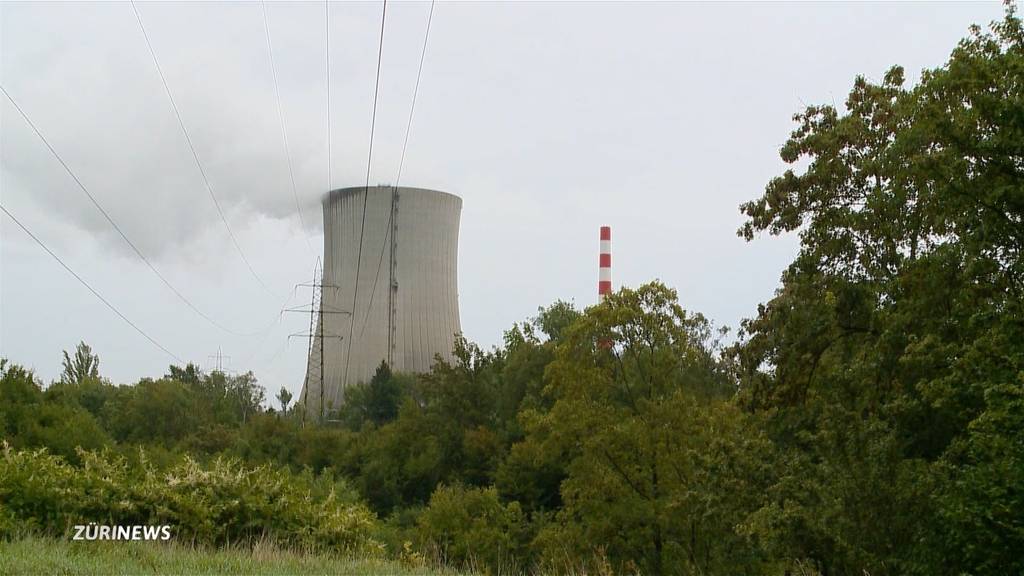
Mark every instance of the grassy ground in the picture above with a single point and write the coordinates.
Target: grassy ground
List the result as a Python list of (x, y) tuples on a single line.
[(49, 556)]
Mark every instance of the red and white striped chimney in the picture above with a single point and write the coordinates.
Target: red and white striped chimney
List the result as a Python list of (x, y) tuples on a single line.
[(604, 282)]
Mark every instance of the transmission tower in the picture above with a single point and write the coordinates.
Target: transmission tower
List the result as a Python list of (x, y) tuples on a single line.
[(316, 336), (219, 358)]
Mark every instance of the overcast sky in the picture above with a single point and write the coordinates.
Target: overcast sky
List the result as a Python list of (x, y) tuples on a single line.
[(548, 119)]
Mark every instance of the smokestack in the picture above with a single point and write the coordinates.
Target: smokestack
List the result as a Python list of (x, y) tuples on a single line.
[(604, 282)]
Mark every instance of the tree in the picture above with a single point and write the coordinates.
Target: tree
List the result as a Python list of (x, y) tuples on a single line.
[(660, 472), (29, 417), (163, 411), (20, 396), (245, 394), (895, 341), (84, 366), (284, 397), (981, 507), (190, 374), (383, 396), (555, 319), (377, 401)]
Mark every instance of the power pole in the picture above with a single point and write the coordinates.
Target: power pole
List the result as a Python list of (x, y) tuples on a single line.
[(316, 335), (219, 356), (321, 330)]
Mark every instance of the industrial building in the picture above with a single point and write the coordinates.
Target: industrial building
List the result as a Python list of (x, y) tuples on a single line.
[(394, 299)]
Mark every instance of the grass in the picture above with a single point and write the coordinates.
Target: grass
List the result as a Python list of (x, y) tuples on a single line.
[(62, 557)]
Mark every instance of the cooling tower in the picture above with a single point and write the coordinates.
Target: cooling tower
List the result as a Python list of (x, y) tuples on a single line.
[(398, 302)]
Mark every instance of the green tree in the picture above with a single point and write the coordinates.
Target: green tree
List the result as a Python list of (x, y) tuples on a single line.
[(896, 335), (31, 418), (526, 355), (20, 396), (981, 507), (659, 471), (376, 401), (190, 374), (284, 397), (400, 463), (83, 366), (555, 319), (162, 411), (245, 395), (384, 396)]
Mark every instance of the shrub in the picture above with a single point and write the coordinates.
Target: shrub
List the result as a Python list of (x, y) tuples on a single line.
[(215, 504), (471, 527), (38, 491)]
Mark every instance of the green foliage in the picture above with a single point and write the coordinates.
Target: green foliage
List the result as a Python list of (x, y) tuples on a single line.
[(533, 472), (265, 438), (152, 410), (660, 469), (376, 402), (555, 319), (64, 429), (284, 397), (214, 504), (84, 366), (980, 508), (896, 339), (868, 419), (31, 418), (37, 491), (384, 395), (471, 527), (90, 394), (401, 463), (186, 407), (20, 394)]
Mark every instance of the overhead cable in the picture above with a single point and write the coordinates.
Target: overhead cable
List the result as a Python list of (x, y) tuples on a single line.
[(415, 91), (284, 131), (327, 70), (195, 155), (366, 188), (398, 177), (91, 289), (111, 221)]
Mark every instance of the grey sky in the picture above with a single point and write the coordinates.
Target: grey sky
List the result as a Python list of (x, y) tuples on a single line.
[(549, 119)]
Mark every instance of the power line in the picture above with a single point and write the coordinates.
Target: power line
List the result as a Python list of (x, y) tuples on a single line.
[(373, 114), (327, 69), (195, 155), (284, 131), (327, 108), (415, 91), (91, 289), (110, 220), (265, 333), (366, 187), (380, 262), (398, 177)]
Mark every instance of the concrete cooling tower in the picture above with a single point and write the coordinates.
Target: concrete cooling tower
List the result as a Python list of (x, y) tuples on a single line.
[(397, 303)]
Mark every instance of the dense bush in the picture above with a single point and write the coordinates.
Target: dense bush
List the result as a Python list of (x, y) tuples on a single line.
[(471, 527), (215, 504), (31, 418), (38, 491)]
